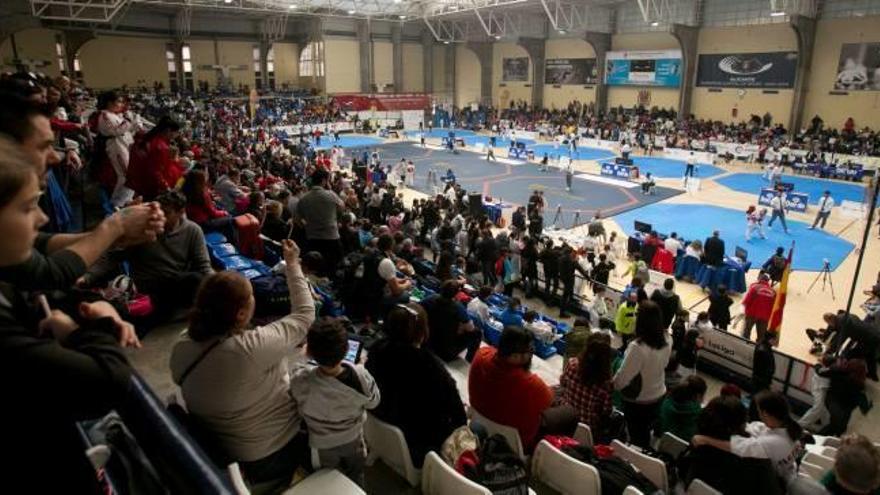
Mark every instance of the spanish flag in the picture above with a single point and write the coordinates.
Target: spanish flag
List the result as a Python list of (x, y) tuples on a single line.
[(775, 324)]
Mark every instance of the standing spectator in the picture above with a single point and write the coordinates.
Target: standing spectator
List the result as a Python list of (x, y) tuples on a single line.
[(568, 265), (719, 307), (764, 362), (451, 330), (424, 401), (319, 209), (758, 303), (333, 397), (487, 251), (502, 388), (625, 321), (713, 250), (641, 375), (586, 382), (152, 170), (668, 300), (824, 210), (505, 269), (550, 261), (117, 130)]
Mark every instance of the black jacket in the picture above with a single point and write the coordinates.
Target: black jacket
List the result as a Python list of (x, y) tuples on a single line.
[(719, 309), (763, 367), (423, 402), (567, 267), (47, 387), (730, 474), (669, 305), (42, 271), (713, 250)]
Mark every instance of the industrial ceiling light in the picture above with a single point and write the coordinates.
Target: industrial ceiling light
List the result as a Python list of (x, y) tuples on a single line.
[(402, 17), (445, 42), (655, 24), (292, 6), (227, 1), (562, 31), (777, 13), (351, 12)]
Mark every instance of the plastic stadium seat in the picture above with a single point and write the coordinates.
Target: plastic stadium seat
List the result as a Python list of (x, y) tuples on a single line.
[(653, 469), (829, 452), (326, 481), (584, 435), (564, 473), (631, 490), (699, 487), (386, 442), (508, 432), (672, 445), (826, 463), (439, 478), (813, 471)]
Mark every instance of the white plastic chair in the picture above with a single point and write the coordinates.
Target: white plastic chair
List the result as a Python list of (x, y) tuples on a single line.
[(653, 469), (826, 463), (564, 473), (326, 481), (631, 490), (386, 442), (583, 435), (700, 487), (813, 471), (671, 444), (510, 433), (237, 479), (439, 478), (829, 452)]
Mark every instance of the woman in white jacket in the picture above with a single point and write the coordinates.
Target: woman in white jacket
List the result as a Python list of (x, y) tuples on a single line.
[(116, 127), (641, 377)]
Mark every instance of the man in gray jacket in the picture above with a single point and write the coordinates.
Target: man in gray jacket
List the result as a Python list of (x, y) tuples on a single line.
[(333, 398)]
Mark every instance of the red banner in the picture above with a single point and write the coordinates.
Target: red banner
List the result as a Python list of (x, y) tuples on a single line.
[(382, 103)]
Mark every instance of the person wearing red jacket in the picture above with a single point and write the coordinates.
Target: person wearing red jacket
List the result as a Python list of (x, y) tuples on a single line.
[(758, 304), (502, 389), (151, 169), (200, 207)]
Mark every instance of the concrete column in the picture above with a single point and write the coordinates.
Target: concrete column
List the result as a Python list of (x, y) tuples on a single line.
[(805, 30), (687, 39), (601, 43), (428, 61), (449, 75), (535, 48), (264, 64), (73, 41), (397, 57), (365, 46), (484, 55)]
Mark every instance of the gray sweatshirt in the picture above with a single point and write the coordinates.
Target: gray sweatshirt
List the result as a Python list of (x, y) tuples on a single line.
[(240, 391), (334, 412)]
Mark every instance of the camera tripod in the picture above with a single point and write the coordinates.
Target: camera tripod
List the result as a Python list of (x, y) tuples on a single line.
[(825, 275)]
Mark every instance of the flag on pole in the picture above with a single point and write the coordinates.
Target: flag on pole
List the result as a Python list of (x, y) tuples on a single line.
[(775, 324)]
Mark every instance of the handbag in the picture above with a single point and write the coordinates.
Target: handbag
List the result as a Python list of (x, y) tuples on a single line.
[(633, 389)]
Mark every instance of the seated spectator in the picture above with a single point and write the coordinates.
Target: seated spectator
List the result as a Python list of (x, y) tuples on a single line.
[(424, 401), (502, 388), (542, 330), (235, 379), (681, 408), (451, 331), (856, 468), (231, 194), (648, 184), (776, 437), (169, 269), (57, 369), (672, 244), (703, 323), (200, 206), (586, 382), (274, 227), (512, 316), (334, 396), (721, 419), (478, 307)]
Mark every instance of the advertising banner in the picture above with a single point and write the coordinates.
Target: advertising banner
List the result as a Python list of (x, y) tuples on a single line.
[(575, 71), (644, 68), (858, 68), (515, 69), (747, 70), (794, 201)]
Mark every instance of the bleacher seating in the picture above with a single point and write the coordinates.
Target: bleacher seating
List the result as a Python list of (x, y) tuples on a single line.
[(699, 487), (387, 443), (439, 478), (508, 432), (654, 469), (584, 435), (564, 473), (326, 481)]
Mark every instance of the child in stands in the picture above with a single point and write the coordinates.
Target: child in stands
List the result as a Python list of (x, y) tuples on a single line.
[(333, 397)]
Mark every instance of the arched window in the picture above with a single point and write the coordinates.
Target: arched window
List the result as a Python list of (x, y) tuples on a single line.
[(311, 60)]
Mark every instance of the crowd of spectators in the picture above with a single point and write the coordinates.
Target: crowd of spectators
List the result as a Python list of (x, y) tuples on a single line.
[(339, 225)]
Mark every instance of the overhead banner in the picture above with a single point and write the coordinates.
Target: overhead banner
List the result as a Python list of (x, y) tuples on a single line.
[(644, 68), (859, 67), (515, 69), (747, 70), (575, 71)]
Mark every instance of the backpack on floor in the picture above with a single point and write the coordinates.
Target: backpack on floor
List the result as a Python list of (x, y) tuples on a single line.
[(271, 294), (498, 468)]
